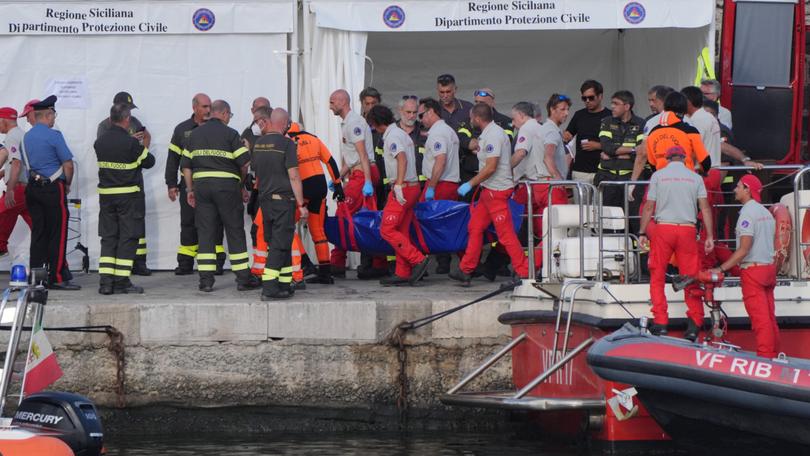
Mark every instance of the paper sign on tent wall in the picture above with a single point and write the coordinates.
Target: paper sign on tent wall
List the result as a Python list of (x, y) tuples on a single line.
[(71, 93)]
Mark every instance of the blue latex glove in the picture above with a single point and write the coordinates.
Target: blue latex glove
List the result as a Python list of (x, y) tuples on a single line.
[(430, 193), (368, 189), (464, 189)]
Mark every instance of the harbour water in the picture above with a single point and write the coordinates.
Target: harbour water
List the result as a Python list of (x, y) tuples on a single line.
[(351, 444)]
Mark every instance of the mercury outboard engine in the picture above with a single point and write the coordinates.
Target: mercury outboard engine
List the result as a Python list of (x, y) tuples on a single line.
[(70, 417)]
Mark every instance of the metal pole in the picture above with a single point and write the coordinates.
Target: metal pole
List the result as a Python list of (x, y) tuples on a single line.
[(797, 229), (599, 227), (562, 362), (581, 236), (13, 343), (530, 230), (626, 230), (571, 314), (489, 362)]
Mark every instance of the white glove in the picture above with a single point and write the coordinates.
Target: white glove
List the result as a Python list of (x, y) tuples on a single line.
[(399, 196)]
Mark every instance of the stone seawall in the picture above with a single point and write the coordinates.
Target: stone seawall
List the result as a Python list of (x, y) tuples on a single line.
[(325, 349)]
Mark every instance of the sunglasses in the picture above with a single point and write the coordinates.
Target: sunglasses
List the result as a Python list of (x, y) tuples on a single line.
[(483, 93), (420, 115), (410, 97), (588, 98), (446, 79)]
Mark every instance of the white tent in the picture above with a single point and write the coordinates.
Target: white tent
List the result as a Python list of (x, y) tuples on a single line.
[(162, 52), (522, 49)]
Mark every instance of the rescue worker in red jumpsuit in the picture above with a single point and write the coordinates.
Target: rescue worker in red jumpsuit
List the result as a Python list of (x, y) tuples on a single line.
[(674, 194), (755, 233), (357, 163), (492, 207), (400, 167)]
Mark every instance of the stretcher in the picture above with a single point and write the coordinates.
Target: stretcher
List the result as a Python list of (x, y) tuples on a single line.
[(439, 227)]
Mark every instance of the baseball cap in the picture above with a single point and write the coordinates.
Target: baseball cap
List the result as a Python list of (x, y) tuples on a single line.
[(8, 113), (124, 97), (754, 184), (675, 151), (29, 107)]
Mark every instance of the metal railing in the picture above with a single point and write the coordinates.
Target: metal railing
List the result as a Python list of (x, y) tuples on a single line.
[(627, 236), (588, 195), (798, 245), (585, 193)]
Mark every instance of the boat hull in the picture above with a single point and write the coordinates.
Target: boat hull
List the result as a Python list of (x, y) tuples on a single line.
[(705, 395)]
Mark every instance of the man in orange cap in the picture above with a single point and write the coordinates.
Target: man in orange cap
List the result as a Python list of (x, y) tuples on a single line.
[(28, 111), (755, 233), (674, 194)]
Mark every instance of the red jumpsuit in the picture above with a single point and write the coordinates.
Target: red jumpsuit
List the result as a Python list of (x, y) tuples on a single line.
[(758, 283), (444, 190), (395, 229), (8, 215), (492, 208)]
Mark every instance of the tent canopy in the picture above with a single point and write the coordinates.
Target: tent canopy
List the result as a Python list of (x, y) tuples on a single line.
[(524, 50), (234, 51)]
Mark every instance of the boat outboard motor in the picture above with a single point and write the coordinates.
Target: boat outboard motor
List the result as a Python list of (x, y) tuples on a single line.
[(71, 417), (708, 280)]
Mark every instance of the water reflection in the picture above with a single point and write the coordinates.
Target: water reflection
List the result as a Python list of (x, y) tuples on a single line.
[(365, 444)]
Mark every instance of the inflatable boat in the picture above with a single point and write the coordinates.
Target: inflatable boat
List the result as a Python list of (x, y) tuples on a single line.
[(46, 423), (711, 394)]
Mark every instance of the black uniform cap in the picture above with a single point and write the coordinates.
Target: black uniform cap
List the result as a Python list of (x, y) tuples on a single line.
[(45, 104), (124, 97)]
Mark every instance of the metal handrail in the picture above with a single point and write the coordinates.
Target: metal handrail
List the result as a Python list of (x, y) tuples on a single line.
[(797, 223), (600, 266), (584, 191)]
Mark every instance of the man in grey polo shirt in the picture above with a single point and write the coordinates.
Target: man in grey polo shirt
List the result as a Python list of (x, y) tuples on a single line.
[(674, 194), (756, 228)]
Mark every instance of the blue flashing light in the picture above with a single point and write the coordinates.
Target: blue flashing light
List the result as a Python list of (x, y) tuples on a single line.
[(19, 276)]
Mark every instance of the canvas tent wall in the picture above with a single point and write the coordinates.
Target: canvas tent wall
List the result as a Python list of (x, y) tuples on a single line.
[(523, 50), (162, 52)]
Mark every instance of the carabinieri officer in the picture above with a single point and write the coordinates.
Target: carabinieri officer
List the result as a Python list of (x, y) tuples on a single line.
[(755, 233), (50, 165), (121, 200)]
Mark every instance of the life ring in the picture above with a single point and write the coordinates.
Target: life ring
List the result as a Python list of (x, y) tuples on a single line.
[(782, 235)]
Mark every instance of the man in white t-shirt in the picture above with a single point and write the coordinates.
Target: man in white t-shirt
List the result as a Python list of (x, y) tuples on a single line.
[(15, 175), (400, 167), (705, 123), (357, 164), (540, 155), (711, 90), (496, 187)]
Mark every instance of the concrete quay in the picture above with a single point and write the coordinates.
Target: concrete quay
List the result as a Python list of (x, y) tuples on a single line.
[(324, 349)]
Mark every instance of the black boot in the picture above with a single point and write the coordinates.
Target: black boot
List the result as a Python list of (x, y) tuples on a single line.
[(461, 276), (106, 284), (246, 281), (124, 286), (185, 265), (206, 282), (139, 268), (692, 331), (307, 266), (443, 261), (658, 330), (271, 291), (324, 275)]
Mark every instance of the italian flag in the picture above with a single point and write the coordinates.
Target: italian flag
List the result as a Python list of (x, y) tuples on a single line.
[(41, 368)]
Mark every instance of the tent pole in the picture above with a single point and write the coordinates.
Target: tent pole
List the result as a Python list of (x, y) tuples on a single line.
[(295, 56)]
